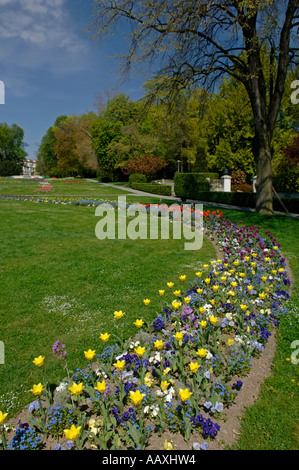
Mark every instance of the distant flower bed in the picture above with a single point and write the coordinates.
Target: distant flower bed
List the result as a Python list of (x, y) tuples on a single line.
[(180, 371)]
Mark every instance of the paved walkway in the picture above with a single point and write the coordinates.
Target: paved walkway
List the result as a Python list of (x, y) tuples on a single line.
[(135, 192)]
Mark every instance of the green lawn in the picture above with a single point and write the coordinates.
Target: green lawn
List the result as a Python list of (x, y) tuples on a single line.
[(60, 188), (58, 281)]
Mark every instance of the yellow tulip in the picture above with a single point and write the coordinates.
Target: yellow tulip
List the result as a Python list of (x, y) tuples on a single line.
[(187, 300), (164, 385), (202, 310), (206, 266), (243, 307), (120, 365), (89, 354), (207, 280), (136, 397), (118, 315), (194, 366), (199, 291), (183, 277), (37, 389), (213, 319), (170, 284), (203, 324), (39, 361), (161, 292), (215, 288), (179, 336), (202, 352), (139, 351), (146, 301), (73, 433), (76, 389), (138, 323), (230, 341), (2, 417), (159, 344), (105, 337), (177, 293), (175, 304), (185, 394), (198, 274), (262, 295), (101, 386)]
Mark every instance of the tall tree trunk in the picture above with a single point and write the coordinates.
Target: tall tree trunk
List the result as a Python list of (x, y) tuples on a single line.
[(264, 193)]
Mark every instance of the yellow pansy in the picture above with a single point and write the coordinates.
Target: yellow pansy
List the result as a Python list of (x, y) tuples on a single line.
[(148, 379), (139, 323), (76, 389), (105, 337), (168, 445), (73, 433), (39, 361), (136, 397), (37, 389), (184, 394), (167, 370), (89, 354)]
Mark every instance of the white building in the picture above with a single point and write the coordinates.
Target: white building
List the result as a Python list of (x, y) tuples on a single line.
[(29, 167)]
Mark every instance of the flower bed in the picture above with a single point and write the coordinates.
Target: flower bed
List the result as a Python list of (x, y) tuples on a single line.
[(180, 372)]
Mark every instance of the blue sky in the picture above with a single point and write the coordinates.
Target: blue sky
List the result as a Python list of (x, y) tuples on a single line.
[(50, 66)]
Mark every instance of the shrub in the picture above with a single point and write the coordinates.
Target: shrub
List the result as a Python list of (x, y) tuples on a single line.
[(137, 178), (188, 185)]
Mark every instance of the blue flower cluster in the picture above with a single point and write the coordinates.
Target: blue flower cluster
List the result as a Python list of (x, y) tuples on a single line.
[(209, 428), (25, 438), (60, 417)]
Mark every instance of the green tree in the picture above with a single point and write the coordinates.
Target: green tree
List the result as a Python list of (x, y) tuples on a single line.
[(12, 149), (200, 41), (46, 157)]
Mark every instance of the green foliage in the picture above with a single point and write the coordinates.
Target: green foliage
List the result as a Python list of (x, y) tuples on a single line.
[(12, 151), (188, 185), (137, 178), (162, 189)]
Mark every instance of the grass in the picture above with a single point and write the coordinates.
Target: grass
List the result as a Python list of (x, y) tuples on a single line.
[(60, 282), (60, 188)]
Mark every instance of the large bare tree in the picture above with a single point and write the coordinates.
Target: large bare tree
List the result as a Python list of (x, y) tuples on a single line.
[(193, 41)]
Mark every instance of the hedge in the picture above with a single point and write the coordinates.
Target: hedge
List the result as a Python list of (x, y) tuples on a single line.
[(246, 200), (188, 185), (161, 189), (137, 178)]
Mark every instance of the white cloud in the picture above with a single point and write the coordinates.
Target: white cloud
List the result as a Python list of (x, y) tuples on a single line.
[(43, 24)]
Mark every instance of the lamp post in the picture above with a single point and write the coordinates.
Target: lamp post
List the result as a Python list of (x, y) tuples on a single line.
[(179, 161)]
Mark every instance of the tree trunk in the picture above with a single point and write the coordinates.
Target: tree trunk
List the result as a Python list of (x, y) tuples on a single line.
[(264, 193)]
